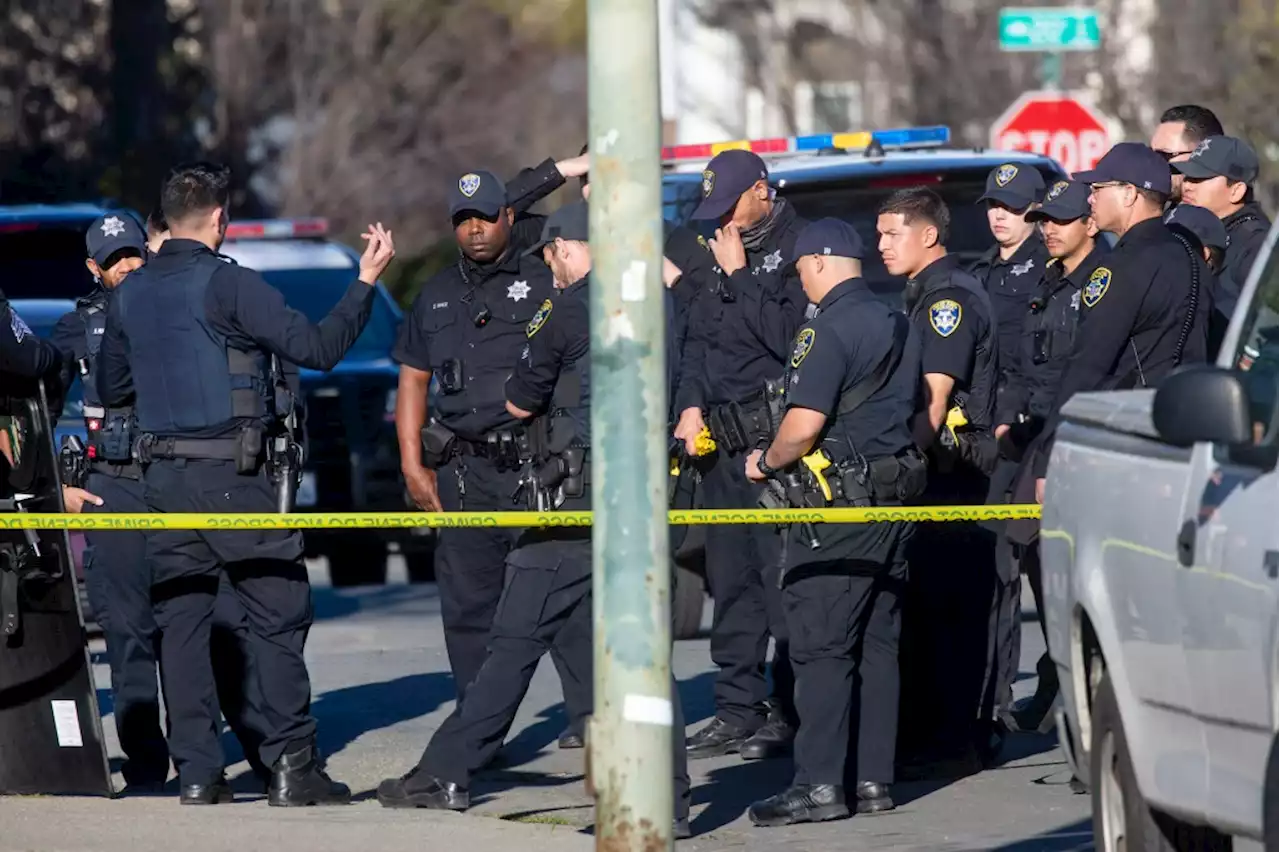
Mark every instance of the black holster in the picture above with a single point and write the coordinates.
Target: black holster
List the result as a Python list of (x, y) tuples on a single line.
[(438, 445)]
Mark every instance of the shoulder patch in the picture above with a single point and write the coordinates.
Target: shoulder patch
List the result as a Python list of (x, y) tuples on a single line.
[(944, 316), (19, 328), (1099, 281), (804, 342), (539, 318)]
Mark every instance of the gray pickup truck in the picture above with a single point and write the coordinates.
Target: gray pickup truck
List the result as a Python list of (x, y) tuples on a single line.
[(1159, 551)]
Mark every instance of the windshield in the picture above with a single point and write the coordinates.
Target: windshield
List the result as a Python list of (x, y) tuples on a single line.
[(45, 262), (857, 200), (314, 292)]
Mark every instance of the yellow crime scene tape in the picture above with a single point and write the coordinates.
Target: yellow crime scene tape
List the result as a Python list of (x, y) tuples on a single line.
[(372, 520)]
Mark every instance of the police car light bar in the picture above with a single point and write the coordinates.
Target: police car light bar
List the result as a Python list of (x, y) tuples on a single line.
[(267, 229), (901, 138)]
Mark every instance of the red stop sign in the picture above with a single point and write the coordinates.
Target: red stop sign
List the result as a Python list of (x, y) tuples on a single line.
[(1056, 125)]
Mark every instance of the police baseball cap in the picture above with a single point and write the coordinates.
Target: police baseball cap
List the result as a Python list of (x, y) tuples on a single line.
[(110, 234), (570, 222), (1131, 162), (727, 176), (1015, 186), (478, 191), (829, 238), (1066, 201), (1198, 223), (1227, 156)]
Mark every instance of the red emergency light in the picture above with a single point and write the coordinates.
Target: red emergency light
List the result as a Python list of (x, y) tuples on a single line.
[(277, 229)]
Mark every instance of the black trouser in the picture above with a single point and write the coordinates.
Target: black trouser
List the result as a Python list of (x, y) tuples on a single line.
[(470, 566), (548, 591), (946, 627), (742, 573), (118, 580), (1004, 626), (1029, 557), (844, 618), (267, 574)]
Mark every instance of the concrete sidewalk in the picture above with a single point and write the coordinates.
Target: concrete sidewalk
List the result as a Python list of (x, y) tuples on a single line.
[(63, 824)]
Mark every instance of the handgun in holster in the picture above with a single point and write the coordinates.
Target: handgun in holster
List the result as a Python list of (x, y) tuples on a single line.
[(73, 461)]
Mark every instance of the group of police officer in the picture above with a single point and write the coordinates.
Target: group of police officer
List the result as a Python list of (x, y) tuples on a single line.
[(790, 383)]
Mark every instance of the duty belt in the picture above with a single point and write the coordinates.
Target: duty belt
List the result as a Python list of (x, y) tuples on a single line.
[(504, 447), (736, 426), (213, 449)]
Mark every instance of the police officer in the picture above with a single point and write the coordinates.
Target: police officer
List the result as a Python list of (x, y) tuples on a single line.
[(548, 586), (1200, 226), (190, 335), (1048, 337), (1011, 270), (850, 391), (953, 581), (117, 575), (466, 329), (740, 336), (1146, 310), (1219, 176)]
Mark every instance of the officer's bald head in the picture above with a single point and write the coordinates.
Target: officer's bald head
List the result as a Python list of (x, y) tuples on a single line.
[(194, 201)]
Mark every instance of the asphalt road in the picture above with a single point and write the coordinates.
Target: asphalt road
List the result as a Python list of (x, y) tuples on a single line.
[(381, 686)]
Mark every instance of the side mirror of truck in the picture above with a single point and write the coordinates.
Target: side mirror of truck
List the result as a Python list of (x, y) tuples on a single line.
[(1202, 403)]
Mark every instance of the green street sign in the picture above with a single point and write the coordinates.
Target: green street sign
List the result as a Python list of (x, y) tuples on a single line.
[(1055, 28)]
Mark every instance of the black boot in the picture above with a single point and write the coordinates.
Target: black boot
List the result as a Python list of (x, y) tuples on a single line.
[(874, 798), (298, 779), (570, 738), (717, 738), (774, 738), (800, 803), (680, 829), (417, 789), (217, 793)]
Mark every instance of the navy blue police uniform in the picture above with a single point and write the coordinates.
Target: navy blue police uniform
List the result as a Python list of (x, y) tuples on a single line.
[(188, 341), (1010, 283), (953, 577), (1146, 309), (1246, 228), (467, 328), (740, 336), (1048, 340), (857, 361), (548, 573), (117, 574), (21, 352)]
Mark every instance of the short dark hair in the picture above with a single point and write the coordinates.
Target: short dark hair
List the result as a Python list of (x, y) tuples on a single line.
[(156, 223), (1199, 123), (917, 203), (1155, 199), (194, 188)]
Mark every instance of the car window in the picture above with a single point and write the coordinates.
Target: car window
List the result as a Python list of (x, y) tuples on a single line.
[(314, 292), (45, 262), (1257, 356)]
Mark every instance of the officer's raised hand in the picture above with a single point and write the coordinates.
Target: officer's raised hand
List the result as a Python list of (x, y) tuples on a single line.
[(726, 245), (378, 253)]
